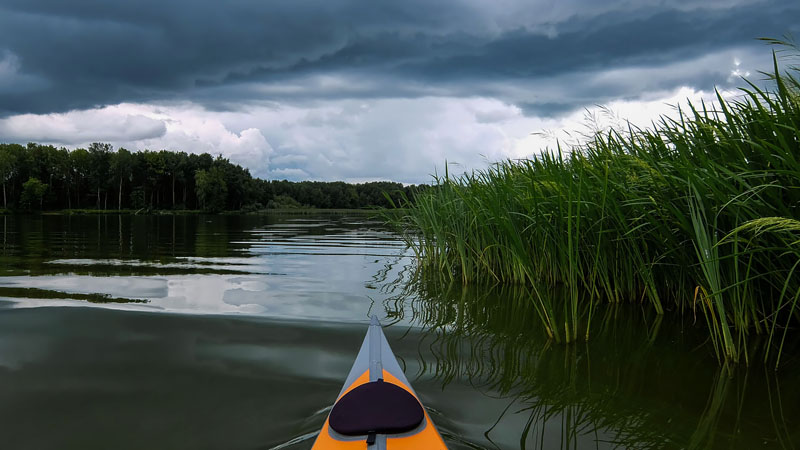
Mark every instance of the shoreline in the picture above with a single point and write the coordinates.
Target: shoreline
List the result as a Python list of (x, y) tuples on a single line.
[(180, 212)]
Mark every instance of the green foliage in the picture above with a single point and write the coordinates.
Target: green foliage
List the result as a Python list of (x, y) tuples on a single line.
[(33, 192), (283, 201), (211, 189), (138, 199), (122, 170), (697, 216), (104, 179), (99, 170)]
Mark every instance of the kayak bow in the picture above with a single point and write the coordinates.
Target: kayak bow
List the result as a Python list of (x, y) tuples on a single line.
[(377, 409)]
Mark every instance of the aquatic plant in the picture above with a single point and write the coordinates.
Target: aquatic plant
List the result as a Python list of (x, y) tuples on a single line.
[(638, 384), (696, 215)]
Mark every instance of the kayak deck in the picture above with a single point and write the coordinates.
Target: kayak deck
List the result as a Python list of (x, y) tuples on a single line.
[(377, 364)]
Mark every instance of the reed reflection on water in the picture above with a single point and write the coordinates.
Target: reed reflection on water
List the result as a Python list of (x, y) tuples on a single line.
[(639, 383), (292, 286)]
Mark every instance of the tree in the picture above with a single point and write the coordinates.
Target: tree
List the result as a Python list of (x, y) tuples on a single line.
[(154, 171), (60, 177), (121, 167), (33, 192), (6, 170), (172, 166), (12, 162), (166, 179), (212, 191), (79, 167), (100, 159)]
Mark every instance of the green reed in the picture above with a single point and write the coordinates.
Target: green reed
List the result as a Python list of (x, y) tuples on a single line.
[(696, 215), (483, 334)]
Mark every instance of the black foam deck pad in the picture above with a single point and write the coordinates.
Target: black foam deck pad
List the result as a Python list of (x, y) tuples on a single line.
[(376, 407)]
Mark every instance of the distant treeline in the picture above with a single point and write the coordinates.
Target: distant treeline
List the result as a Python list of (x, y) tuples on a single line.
[(43, 177)]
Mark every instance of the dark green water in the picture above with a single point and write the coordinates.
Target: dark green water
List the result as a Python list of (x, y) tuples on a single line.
[(251, 323)]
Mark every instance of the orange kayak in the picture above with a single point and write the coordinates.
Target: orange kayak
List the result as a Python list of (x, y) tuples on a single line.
[(377, 409)]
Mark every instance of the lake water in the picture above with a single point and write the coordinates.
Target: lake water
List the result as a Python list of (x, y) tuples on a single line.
[(236, 332)]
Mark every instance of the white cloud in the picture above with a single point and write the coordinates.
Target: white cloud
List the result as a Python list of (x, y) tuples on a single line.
[(288, 173), (289, 159), (572, 129), (403, 140), (112, 123), (194, 131), (183, 127)]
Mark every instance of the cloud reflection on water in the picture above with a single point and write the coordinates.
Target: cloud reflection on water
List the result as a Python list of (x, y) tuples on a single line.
[(279, 266)]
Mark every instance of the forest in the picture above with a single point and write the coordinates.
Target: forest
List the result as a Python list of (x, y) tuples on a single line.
[(42, 177)]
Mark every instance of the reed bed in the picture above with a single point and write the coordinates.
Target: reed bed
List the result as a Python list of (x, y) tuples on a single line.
[(483, 335), (695, 215)]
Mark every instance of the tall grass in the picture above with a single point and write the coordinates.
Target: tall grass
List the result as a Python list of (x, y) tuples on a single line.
[(696, 215), (484, 335)]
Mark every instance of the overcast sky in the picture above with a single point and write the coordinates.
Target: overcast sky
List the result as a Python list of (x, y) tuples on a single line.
[(362, 90)]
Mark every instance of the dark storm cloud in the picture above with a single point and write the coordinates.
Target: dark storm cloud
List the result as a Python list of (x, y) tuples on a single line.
[(96, 52)]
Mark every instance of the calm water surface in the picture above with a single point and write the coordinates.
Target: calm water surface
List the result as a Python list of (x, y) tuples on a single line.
[(237, 332)]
